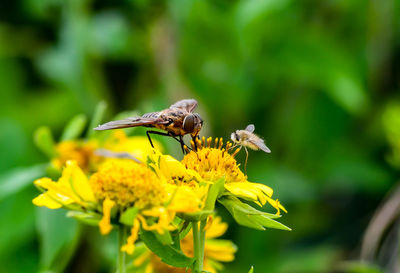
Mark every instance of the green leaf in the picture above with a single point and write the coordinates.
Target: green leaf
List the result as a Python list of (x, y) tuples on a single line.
[(17, 179), (254, 220), (251, 269), (74, 128), (216, 189), (167, 253), (88, 218), (187, 225), (245, 208), (59, 237), (165, 238), (43, 139), (97, 118), (128, 216)]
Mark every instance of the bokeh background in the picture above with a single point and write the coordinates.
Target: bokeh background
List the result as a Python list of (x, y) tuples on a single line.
[(319, 79)]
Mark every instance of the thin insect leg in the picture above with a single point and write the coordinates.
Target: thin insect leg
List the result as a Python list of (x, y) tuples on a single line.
[(156, 133), (245, 163), (182, 144)]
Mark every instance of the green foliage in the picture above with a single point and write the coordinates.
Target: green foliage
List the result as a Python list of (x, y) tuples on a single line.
[(167, 253), (246, 215), (44, 141), (58, 238), (74, 128), (19, 178)]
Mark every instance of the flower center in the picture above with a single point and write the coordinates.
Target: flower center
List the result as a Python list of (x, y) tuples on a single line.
[(215, 162), (128, 184)]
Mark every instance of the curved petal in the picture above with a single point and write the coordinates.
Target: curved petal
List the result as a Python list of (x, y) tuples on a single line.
[(44, 200)]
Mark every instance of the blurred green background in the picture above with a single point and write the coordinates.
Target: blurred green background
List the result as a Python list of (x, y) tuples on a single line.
[(319, 79)]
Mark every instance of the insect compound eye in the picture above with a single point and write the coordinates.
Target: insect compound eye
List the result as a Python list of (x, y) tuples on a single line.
[(236, 137), (199, 120), (188, 123)]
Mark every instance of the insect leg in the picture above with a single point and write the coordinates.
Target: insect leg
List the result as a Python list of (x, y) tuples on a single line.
[(180, 140), (245, 163), (182, 144), (155, 133)]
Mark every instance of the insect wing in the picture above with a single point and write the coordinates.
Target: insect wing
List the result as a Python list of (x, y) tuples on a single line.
[(259, 143), (250, 128), (129, 122), (188, 105)]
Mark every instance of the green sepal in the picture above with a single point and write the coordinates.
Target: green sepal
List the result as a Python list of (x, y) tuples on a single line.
[(44, 140), (97, 118), (251, 269), (89, 218), (128, 216), (167, 253), (195, 216), (216, 189), (74, 128), (258, 221)]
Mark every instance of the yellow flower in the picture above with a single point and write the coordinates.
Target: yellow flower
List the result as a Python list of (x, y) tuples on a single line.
[(172, 170), (78, 150), (212, 161), (128, 184), (215, 251), (137, 146), (84, 152), (71, 189), (123, 184)]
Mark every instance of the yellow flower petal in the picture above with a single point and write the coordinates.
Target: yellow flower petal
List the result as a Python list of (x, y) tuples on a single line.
[(220, 250), (105, 223), (255, 192), (217, 228), (242, 189), (129, 247), (138, 146), (60, 193), (184, 199), (44, 200), (78, 181)]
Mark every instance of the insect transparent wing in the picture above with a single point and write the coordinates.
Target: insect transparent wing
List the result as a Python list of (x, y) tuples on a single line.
[(250, 128), (188, 105), (260, 144), (126, 123)]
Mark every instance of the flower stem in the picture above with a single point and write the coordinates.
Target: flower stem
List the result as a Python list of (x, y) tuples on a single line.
[(121, 254), (202, 239), (198, 264)]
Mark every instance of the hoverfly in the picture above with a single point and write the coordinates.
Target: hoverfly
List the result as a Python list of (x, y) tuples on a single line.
[(177, 120), (246, 138)]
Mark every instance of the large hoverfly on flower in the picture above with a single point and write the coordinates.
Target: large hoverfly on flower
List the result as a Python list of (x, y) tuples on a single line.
[(177, 120)]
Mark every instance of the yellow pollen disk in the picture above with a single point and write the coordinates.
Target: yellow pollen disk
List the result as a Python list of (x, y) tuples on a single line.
[(128, 184), (214, 163)]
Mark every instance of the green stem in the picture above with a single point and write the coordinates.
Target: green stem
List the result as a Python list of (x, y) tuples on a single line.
[(198, 264), (121, 254), (202, 238)]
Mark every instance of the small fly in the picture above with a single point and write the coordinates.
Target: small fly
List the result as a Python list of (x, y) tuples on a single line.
[(246, 138)]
